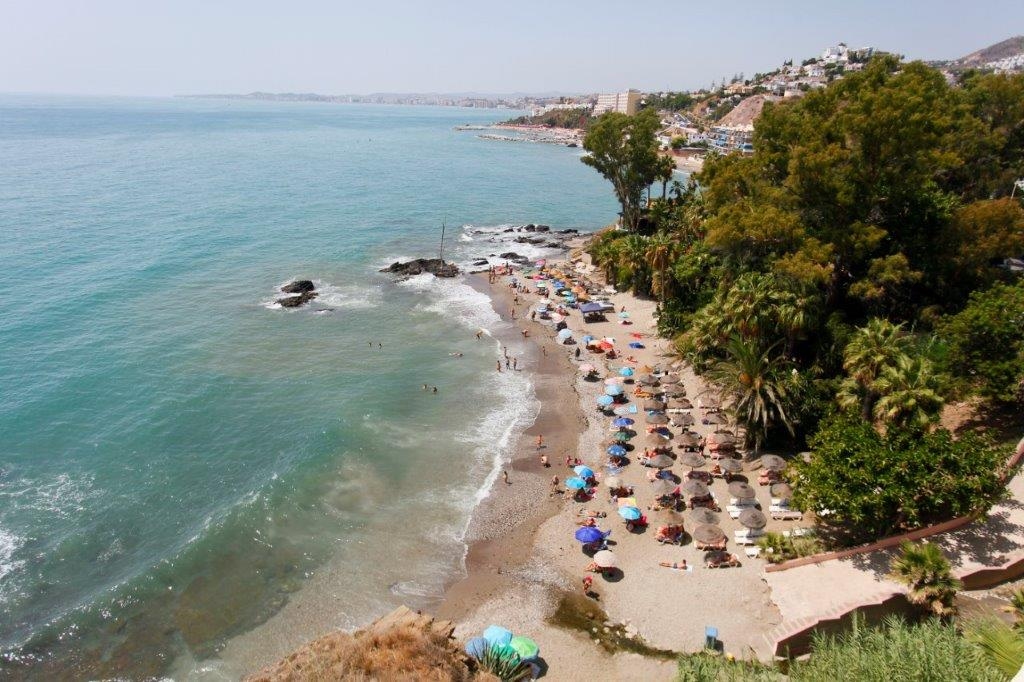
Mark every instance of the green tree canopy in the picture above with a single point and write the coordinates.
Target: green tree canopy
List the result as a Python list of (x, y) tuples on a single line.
[(624, 150)]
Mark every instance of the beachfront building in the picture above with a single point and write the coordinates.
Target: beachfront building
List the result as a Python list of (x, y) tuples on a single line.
[(732, 138), (623, 102)]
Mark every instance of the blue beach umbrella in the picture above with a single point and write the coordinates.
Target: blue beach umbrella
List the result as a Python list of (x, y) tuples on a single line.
[(636, 344), (626, 372), (616, 450), (565, 333), (622, 421), (588, 338), (589, 534), (584, 471), (575, 483), (476, 647), (495, 634), (624, 315), (630, 513), (525, 647), (613, 389), (605, 400)]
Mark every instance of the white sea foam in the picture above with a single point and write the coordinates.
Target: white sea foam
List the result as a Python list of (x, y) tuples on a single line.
[(336, 296), (9, 544), (453, 299)]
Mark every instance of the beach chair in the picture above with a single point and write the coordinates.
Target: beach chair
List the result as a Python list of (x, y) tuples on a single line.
[(752, 552), (747, 536), (785, 514)]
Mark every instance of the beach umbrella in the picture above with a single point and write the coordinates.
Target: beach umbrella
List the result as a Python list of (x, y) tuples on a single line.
[(613, 481), (630, 513), (742, 491), (703, 515), (605, 400), (663, 487), (584, 471), (565, 333), (654, 405), (731, 465), (691, 459), (685, 420), (636, 344), (781, 490), (476, 647), (695, 488), (772, 463), (753, 518), (587, 338), (542, 285), (624, 410), (575, 483), (587, 368), (647, 379), (669, 379), (613, 389), (613, 381), (525, 647), (661, 461), (589, 534), (624, 315), (684, 404), (626, 371), (627, 502), (497, 635), (657, 419), (689, 439), (606, 559), (616, 451), (621, 437), (623, 421), (707, 533), (714, 418)]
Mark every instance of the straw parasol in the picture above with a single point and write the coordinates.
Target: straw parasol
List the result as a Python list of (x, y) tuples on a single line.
[(685, 420), (691, 459), (684, 404), (653, 405), (657, 419), (707, 533), (661, 461), (695, 488), (742, 491), (781, 490), (772, 463), (731, 465), (703, 515), (714, 418), (688, 439), (653, 440), (647, 379), (716, 556), (753, 518), (606, 559), (663, 487), (670, 379)]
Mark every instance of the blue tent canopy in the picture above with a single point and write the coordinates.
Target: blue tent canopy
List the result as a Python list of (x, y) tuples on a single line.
[(590, 308)]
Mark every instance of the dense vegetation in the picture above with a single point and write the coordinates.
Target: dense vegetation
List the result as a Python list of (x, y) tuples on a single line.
[(849, 266), (895, 652)]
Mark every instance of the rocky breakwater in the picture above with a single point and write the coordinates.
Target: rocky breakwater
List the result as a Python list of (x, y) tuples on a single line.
[(301, 292), (434, 266)]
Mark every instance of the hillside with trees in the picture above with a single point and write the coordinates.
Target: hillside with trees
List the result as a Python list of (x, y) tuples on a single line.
[(843, 282)]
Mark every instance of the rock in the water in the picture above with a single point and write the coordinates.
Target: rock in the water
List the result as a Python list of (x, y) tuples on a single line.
[(298, 286), (514, 257), (434, 266), (530, 228), (296, 301), (543, 228), (480, 261), (569, 231)]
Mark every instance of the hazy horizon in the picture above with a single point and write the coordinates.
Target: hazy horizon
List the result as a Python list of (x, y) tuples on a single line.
[(117, 47)]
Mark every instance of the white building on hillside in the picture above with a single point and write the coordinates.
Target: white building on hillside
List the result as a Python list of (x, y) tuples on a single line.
[(623, 102)]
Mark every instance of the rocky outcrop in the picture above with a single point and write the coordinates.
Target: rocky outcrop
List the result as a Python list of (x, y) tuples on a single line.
[(434, 266), (298, 286), (514, 257), (303, 292)]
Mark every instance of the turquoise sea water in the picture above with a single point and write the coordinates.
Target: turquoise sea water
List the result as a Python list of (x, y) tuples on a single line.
[(179, 458)]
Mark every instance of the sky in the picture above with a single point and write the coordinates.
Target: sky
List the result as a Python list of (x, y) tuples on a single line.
[(168, 47)]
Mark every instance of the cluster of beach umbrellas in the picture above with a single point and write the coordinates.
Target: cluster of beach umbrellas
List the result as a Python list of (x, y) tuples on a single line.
[(501, 640)]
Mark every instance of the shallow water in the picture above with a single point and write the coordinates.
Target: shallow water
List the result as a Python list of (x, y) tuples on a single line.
[(178, 455)]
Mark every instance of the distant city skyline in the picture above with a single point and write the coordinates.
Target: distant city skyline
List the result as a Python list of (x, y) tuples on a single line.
[(121, 47)]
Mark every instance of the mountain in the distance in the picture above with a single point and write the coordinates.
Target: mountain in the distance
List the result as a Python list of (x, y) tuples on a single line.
[(1006, 55)]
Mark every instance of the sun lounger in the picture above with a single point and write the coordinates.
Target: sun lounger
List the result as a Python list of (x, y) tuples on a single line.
[(752, 552), (745, 503), (746, 536), (785, 514)]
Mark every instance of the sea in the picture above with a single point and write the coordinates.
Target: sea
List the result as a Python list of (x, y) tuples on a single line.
[(183, 462)]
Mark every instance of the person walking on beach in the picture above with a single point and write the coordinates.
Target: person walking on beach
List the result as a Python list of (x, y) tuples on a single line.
[(515, 364), (540, 441), (508, 364), (533, 315), (554, 486), (577, 353), (499, 365), (504, 351), (478, 334), (504, 474), (544, 350)]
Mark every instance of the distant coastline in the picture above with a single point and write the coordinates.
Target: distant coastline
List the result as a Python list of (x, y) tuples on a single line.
[(512, 101)]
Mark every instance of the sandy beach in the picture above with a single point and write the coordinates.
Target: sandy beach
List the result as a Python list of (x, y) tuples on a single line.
[(523, 559)]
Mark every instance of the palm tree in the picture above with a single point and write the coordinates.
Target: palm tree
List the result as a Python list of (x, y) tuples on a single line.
[(663, 172), (873, 347), (998, 643), (661, 252), (755, 385), (924, 569), (633, 257), (908, 393)]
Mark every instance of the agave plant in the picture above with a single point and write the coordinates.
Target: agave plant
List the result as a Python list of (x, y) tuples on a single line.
[(924, 569), (503, 663)]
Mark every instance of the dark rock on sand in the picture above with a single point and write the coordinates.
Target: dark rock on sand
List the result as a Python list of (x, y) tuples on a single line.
[(543, 228), (296, 301), (434, 266), (530, 228), (569, 231), (298, 286), (514, 257)]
